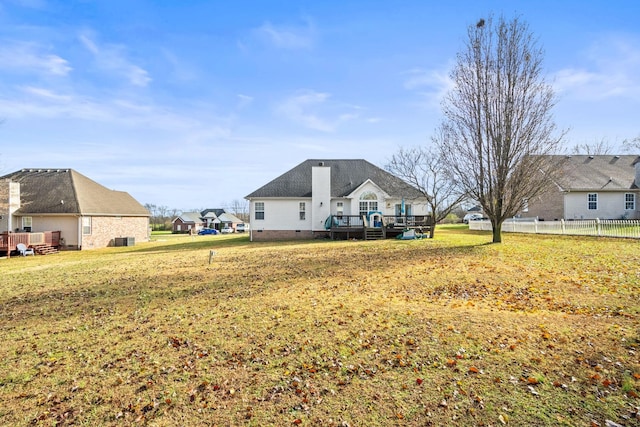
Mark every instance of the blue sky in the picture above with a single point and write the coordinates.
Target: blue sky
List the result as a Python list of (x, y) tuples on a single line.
[(195, 104)]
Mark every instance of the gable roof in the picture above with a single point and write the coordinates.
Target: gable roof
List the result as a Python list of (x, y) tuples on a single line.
[(599, 172), (216, 212), (228, 217), (189, 217), (346, 176), (65, 191)]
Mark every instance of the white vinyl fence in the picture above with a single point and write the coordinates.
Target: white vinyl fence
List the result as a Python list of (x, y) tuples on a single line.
[(629, 228)]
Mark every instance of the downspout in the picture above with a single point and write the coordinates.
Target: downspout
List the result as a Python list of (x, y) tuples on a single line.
[(80, 232)]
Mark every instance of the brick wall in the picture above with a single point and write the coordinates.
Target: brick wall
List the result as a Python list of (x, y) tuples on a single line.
[(104, 230), (548, 207)]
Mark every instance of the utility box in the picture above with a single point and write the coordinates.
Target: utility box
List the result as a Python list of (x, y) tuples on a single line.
[(124, 241)]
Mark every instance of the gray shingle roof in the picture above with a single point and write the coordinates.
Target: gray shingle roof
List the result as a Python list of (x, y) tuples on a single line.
[(600, 172), (194, 217), (346, 176), (65, 191)]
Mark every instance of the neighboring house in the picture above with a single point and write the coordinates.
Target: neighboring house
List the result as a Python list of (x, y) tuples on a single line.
[(298, 204), (208, 218), (188, 221), (87, 214), (598, 186), (228, 220)]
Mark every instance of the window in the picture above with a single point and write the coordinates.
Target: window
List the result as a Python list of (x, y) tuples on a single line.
[(86, 225), (259, 210), (26, 223), (630, 202), (340, 208), (368, 202), (592, 199), (407, 210), (303, 213)]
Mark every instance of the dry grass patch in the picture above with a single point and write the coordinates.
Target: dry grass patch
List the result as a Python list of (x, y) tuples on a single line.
[(451, 331)]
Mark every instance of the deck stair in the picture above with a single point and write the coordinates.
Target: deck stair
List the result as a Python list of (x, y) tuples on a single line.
[(374, 234), (45, 249)]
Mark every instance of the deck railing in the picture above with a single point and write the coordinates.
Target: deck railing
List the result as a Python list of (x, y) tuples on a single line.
[(390, 221), (9, 240)]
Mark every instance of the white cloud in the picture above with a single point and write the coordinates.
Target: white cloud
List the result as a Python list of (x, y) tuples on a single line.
[(244, 101), (46, 94), (112, 58), (611, 69), (282, 37), (313, 110), (433, 85), (30, 57)]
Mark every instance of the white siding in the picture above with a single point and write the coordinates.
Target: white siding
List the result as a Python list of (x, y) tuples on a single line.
[(281, 214), (610, 205), (320, 206)]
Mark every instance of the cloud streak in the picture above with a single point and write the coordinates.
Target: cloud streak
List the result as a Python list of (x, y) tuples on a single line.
[(29, 57), (313, 110), (287, 37), (112, 58), (611, 70)]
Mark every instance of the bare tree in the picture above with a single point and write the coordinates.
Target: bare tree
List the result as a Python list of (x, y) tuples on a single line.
[(240, 208), (423, 169), (595, 149), (631, 145), (497, 130)]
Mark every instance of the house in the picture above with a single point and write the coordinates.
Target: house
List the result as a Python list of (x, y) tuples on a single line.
[(228, 220), (318, 197), (86, 214), (208, 218), (590, 187), (188, 221)]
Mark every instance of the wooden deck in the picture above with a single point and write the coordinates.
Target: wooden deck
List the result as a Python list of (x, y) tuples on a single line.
[(43, 243), (357, 227)]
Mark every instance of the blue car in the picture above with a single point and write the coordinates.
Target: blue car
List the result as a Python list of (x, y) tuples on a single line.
[(207, 231)]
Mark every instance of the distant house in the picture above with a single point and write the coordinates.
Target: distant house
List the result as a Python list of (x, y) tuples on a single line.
[(309, 200), (187, 221), (229, 220), (208, 218), (87, 214), (598, 186)]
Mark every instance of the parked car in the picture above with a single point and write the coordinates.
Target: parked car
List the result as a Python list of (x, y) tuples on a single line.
[(207, 231), (226, 230), (240, 228), (471, 217)]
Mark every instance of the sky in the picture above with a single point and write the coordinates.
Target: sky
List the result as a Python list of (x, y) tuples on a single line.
[(195, 104)]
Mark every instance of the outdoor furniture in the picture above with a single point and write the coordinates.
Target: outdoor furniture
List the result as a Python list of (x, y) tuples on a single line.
[(24, 250)]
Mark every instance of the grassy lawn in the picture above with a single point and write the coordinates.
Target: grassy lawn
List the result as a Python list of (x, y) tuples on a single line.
[(540, 330)]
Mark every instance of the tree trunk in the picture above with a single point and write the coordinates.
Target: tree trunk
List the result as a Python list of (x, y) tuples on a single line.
[(432, 226), (497, 232)]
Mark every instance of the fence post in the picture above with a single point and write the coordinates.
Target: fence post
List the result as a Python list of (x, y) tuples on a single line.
[(535, 225), (562, 228), (598, 227)]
